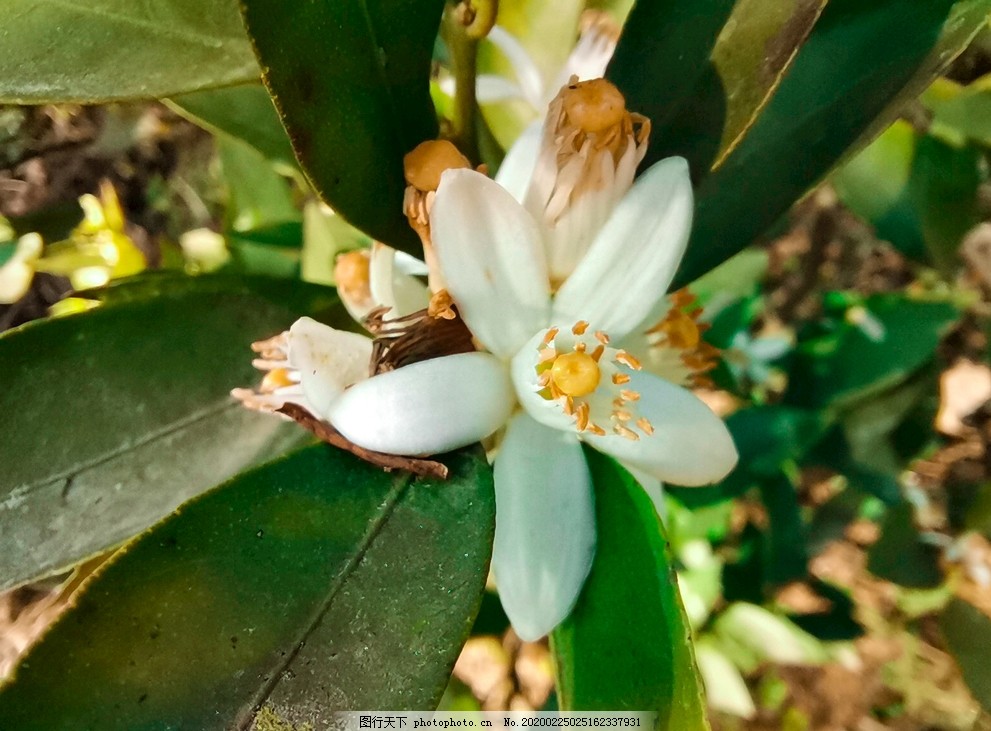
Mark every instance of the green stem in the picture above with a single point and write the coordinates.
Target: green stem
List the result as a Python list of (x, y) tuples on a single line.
[(464, 62)]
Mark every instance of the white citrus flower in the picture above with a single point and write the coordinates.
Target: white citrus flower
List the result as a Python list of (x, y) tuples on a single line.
[(553, 283), (311, 364)]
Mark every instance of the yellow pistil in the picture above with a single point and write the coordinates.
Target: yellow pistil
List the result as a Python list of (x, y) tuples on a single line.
[(594, 105), (576, 374)]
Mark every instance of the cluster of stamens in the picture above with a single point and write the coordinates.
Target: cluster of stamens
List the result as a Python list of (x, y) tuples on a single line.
[(280, 382), (676, 341), (569, 378)]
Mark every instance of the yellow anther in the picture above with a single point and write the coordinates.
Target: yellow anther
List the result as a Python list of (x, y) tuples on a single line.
[(425, 163), (628, 360), (645, 426), (581, 416), (594, 105), (580, 347), (602, 337), (275, 378), (681, 330), (623, 415), (629, 395), (597, 430), (580, 327), (549, 336), (620, 378), (351, 273), (576, 374), (626, 433), (441, 306)]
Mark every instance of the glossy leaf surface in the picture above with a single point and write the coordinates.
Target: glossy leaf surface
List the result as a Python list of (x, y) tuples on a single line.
[(627, 644), (314, 584), (245, 112), (893, 337), (859, 64), (702, 71), (114, 417), (101, 50), (351, 82)]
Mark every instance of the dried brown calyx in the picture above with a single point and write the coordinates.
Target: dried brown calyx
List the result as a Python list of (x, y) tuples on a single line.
[(429, 333), (325, 432)]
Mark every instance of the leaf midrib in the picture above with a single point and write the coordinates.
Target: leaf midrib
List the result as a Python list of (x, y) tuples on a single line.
[(395, 494), (25, 489)]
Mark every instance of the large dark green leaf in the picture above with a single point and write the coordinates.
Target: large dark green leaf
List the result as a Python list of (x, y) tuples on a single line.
[(919, 192), (968, 633), (702, 71), (894, 338), (627, 644), (862, 58), (114, 417), (245, 112), (99, 50), (901, 556), (314, 584), (351, 81)]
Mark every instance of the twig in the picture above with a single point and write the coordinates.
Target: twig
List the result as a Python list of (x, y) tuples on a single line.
[(327, 433)]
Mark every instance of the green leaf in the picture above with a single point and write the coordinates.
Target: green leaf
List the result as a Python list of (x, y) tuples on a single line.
[(961, 111), (244, 112), (785, 553), (627, 644), (862, 59), (920, 192), (351, 81), (702, 71), (968, 633), (258, 196), (115, 416), (892, 338), (325, 235), (103, 50), (767, 438), (901, 556), (311, 585)]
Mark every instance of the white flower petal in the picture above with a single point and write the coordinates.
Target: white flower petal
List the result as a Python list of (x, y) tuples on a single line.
[(490, 89), (391, 287), (328, 361), (545, 525), (690, 444), (517, 167), (428, 407), (634, 257), (527, 73), (490, 253)]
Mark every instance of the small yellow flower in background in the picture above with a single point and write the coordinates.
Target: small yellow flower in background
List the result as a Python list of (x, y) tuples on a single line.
[(98, 249), (204, 250), (17, 272)]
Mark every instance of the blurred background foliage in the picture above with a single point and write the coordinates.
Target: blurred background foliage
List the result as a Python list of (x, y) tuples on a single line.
[(840, 577)]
